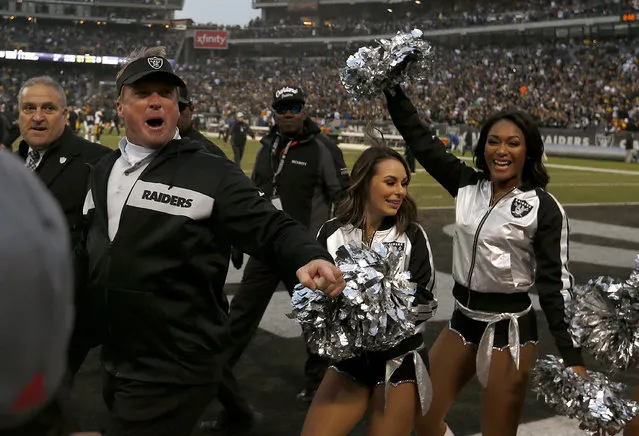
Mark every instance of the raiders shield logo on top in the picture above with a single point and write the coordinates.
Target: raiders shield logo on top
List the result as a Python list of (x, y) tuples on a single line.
[(520, 208), (156, 63)]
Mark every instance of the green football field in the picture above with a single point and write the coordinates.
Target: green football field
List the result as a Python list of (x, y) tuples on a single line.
[(590, 181)]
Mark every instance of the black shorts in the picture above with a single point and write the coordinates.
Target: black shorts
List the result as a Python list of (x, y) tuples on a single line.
[(369, 369), (471, 331)]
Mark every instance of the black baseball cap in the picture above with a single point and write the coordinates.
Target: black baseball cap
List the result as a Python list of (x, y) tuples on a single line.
[(288, 94), (145, 67), (183, 95)]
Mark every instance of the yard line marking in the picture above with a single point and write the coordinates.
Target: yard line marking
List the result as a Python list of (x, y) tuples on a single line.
[(636, 203), (572, 167), (611, 231), (594, 170), (550, 185)]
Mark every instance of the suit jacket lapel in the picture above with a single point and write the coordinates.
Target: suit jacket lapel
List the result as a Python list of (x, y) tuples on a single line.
[(56, 157), (23, 150), (100, 182), (53, 162)]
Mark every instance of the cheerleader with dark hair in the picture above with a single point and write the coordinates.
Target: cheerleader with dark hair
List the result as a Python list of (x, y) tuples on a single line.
[(378, 209), (511, 236)]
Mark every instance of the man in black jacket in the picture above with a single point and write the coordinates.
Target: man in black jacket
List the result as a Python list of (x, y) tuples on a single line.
[(185, 123), (61, 160), (238, 130), (303, 172), (5, 126), (159, 209), (630, 152)]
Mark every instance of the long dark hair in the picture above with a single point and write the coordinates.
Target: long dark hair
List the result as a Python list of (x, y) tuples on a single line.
[(352, 210), (534, 172)]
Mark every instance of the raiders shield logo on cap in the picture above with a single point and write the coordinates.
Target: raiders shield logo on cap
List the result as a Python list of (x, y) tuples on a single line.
[(155, 63), (520, 208)]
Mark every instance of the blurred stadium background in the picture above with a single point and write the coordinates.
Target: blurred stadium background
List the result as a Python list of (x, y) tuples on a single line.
[(573, 64)]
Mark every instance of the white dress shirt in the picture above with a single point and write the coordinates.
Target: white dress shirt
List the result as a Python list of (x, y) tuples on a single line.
[(125, 173)]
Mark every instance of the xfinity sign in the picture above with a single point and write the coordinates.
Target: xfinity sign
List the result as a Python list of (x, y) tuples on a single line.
[(211, 39)]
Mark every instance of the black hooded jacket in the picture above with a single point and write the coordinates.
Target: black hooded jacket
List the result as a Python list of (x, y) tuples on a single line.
[(314, 177), (156, 287)]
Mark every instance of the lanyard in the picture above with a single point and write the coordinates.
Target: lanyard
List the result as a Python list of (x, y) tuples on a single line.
[(277, 172)]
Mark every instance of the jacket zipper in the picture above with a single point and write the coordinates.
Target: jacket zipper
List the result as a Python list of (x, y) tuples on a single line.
[(111, 242), (476, 239)]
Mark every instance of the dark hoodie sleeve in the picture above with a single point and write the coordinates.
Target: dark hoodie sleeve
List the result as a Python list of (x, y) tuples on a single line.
[(422, 271), (322, 235), (334, 169), (552, 277), (253, 225), (4, 131), (431, 153)]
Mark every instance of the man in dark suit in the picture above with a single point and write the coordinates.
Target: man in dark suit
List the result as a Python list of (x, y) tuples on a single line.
[(185, 122), (5, 126), (61, 160)]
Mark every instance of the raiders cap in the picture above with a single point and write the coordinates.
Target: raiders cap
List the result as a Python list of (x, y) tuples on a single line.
[(286, 94), (36, 302), (145, 67)]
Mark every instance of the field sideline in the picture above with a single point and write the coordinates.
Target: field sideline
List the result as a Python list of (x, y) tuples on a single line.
[(570, 186)]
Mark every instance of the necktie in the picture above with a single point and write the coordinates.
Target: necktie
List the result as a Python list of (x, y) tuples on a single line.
[(33, 158)]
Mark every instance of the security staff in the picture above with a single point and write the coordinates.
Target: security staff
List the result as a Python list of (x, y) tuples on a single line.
[(61, 160), (304, 173)]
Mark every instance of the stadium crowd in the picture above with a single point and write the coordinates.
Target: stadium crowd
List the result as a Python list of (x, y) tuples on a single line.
[(550, 81), (40, 35), (76, 38), (437, 15)]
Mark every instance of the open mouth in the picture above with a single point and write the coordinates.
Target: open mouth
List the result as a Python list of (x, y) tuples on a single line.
[(155, 122), (502, 163), (39, 128), (394, 203)]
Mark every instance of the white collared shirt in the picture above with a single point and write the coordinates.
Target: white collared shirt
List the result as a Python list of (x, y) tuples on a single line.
[(125, 173)]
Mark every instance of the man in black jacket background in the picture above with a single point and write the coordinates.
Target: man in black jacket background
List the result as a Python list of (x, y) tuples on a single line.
[(160, 211), (61, 160), (303, 173), (187, 129), (237, 131), (5, 126), (186, 125)]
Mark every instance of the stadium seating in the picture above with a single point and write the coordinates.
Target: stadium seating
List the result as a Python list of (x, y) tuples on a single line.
[(88, 37), (569, 84), (350, 20)]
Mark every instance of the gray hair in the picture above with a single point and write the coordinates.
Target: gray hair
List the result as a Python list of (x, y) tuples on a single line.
[(141, 53), (46, 81)]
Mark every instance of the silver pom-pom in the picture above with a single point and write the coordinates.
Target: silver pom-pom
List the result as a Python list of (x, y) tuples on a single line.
[(603, 318), (374, 312), (406, 56), (596, 402)]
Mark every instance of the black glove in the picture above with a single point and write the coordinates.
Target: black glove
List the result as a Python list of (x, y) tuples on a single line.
[(237, 258)]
